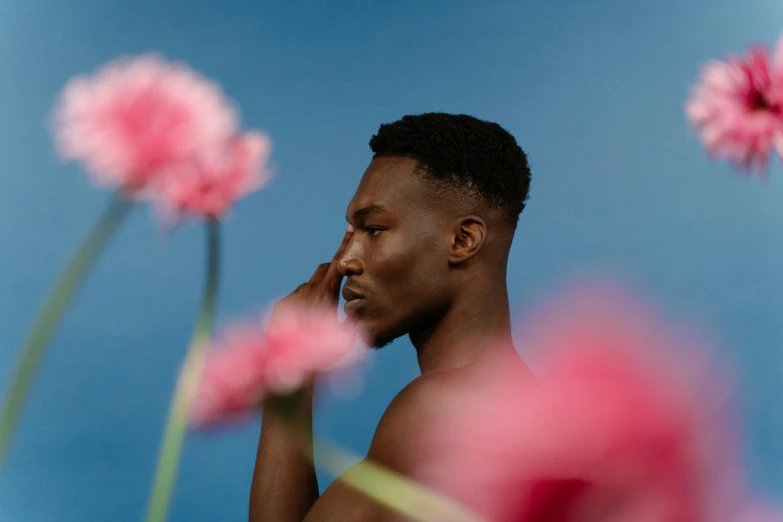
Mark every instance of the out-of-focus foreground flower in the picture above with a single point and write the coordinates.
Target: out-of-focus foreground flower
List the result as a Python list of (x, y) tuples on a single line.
[(737, 107), (135, 118), (252, 361), (625, 421)]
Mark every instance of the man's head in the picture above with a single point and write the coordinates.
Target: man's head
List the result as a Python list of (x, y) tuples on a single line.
[(433, 219)]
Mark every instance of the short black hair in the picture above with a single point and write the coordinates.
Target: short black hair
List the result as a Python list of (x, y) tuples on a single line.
[(463, 151)]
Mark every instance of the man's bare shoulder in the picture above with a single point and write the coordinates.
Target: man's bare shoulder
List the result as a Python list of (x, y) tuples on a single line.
[(421, 391), (402, 437), (405, 434), (409, 437), (400, 443)]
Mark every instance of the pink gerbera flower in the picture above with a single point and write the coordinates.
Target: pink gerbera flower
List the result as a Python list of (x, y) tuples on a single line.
[(737, 107), (626, 422), (215, 178), (134, 118), (252, 361)]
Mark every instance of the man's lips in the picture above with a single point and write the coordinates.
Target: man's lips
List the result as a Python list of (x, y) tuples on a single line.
[(353, 301), (350, 294), (353, 307)]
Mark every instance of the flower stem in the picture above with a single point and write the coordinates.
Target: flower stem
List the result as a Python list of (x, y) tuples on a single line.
[(52, 312), (176, 424), (395, 491)]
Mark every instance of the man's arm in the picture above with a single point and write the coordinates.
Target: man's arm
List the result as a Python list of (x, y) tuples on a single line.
[(284, 486)]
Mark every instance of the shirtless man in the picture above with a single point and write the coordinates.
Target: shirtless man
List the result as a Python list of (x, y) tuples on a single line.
[(426, 253)]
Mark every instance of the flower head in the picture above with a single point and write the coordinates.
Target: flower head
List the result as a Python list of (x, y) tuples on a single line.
[(303, 342), (209, 183), (623, 423), (252, 361), (737, 107), (136, 117)]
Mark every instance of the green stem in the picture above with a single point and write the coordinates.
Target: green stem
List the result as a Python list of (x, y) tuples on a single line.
[(389, 488), (176, 424), (393, 490), (52, 312)]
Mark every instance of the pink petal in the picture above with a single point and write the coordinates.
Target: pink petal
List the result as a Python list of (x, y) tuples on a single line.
[(251, 361), (737, 107), (137, 117), (213, 180)]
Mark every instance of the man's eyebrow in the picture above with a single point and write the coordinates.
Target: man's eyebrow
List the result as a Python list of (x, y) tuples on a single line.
[(366, 210)]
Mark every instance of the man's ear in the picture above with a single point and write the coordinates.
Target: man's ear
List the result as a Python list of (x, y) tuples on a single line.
[(467, 238)]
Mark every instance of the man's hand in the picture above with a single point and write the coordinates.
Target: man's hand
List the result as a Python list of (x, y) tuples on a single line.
[(323, 288)]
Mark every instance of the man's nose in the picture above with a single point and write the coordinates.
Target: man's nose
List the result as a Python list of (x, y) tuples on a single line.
[(350, 262)]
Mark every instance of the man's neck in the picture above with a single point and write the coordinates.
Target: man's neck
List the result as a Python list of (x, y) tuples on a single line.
[(475, 325)]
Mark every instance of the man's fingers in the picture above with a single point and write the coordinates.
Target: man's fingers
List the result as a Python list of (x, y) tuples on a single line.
[(341, 249), (319, 273), (333, 276)]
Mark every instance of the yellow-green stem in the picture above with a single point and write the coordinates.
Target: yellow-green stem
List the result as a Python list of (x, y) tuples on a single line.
[(406, 496), (390, 489), (50, 315), (177, 422)]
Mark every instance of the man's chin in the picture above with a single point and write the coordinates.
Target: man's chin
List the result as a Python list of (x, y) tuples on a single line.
[(373, 339), (377, 344), (376, 333)]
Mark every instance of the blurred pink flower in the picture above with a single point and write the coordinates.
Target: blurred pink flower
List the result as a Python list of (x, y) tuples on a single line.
[(737, 107), (215, 178), (626, 422), (301, 343), (136, 117), (252, 361), (761, 513), (231, 382)]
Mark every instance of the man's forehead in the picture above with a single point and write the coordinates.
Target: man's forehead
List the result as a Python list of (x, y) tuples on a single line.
[(388, 183)]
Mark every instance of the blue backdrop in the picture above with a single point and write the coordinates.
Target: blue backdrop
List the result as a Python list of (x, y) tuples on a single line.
[(593, 91)]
